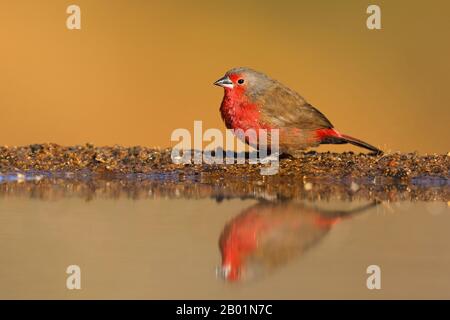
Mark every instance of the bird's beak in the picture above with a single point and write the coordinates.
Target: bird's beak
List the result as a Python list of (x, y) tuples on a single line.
[(224, 82)]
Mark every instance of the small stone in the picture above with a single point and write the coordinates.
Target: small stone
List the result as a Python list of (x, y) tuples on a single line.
[(354, 186)]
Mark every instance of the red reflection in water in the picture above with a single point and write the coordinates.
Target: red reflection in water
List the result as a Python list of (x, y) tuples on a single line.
[(269, 234)]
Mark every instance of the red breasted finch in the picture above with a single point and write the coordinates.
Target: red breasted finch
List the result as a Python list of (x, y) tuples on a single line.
[(254, 101)]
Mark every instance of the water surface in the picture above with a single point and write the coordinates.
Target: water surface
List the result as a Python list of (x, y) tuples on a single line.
[(179, 241)]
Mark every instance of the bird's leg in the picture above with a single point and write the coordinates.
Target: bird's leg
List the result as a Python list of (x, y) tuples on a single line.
[(286, 156)]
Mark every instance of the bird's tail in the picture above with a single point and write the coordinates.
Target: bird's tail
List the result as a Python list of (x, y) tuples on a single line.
[(332, 136), (361, 144)]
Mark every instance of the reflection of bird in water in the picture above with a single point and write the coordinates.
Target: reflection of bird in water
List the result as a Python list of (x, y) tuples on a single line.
[(269, 234)]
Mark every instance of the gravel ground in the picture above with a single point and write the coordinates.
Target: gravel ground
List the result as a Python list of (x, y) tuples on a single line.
[(53, 171), (116, 159)]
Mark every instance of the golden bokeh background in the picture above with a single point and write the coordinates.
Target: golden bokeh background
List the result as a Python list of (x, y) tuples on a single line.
[(137, 70)]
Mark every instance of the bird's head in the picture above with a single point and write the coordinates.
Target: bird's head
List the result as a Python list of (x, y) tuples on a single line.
[(238, 81)]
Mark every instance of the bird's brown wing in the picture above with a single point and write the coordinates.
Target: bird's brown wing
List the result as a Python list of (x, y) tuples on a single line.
[(296, 119), (285, 108)]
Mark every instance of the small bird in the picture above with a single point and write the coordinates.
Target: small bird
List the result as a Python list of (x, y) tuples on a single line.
[(254, 101)]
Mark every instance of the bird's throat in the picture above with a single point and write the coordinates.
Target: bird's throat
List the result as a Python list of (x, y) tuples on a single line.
[(239, 113)]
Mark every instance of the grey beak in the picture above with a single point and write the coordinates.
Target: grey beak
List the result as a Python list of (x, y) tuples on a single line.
[(224, 82)]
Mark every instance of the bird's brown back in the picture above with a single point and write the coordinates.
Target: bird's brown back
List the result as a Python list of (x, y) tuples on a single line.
[(282, 107)]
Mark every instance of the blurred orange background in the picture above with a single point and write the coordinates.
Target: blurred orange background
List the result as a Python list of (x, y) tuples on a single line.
[(137, 70)]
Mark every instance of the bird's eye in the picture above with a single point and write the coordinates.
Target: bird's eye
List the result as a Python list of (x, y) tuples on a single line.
[(241, 81)]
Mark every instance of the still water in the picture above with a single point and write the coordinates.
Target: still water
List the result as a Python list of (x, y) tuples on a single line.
[(177, 241)]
